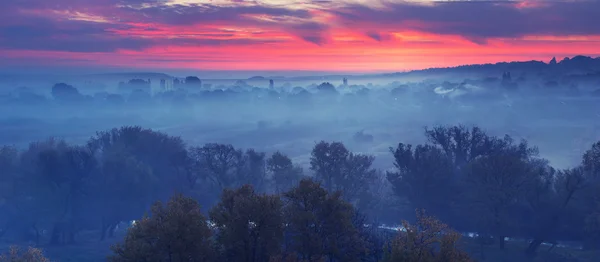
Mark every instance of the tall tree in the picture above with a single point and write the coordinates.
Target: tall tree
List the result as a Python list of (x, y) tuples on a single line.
[(568, 185), (9, 186), (165, 155), (175, 232), (122, 190), (462, 145), (66, 174), (220, 164), (495, 185), (283, 173), (250, 225), (426, 177), (255, 170), (327, 161), (429, 240), (341, 170), (320, 224)]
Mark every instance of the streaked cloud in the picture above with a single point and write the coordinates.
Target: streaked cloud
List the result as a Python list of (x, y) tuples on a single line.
[(341, 29)]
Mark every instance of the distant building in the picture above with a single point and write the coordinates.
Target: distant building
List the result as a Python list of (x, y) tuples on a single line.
[(345, 81), (176, 83), (271, 84), (135, 84)]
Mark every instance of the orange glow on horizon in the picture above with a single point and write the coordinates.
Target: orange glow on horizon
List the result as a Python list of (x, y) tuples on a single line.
[(275, 35)]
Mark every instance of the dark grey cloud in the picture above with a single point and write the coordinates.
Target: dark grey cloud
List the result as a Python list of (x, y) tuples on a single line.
[(312, 32), (374, 35), (30, 24), (81, 36), (293, 21), (207, 13), (43, 33), (479, 20)]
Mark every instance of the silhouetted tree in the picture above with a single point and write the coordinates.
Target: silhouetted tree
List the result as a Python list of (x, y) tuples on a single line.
[(327, 88), (220, 164), (122, 190), (65, 93), (9, 186), (426, 177), (462, 145), (250, 226), (495, 185), (174, 232), (193, 81), (567, 185), (255, 170), (15, 254), (320, 224), (591, 160), (429, 240), (65, 174), (283, 172), (342, 170), (327, 161), (166, 156)]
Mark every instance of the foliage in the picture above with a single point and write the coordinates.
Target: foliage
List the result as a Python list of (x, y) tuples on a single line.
[(425, 177), (283, 172), (57, 193), (220, 164), (15, 254), (320, 224), (176, 231), (498, 184), (427, 241), (342, 170), (293, 257), (166, 156), (123, 188), (249, 225)]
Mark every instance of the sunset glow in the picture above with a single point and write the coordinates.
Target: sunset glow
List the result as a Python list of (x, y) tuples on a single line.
[(361, 36)]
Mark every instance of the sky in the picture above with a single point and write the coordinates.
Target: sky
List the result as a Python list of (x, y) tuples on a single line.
[(289, 35)]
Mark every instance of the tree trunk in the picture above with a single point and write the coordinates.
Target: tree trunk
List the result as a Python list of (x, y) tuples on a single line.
[(71, 236), (552, 247), (56, 234), (37, 234), (111, 230), (7, 226), (482, 250), (103, 230), (533, 246)]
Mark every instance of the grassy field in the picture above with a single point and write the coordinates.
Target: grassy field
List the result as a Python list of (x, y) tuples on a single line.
[(90, 249), (514, 252)]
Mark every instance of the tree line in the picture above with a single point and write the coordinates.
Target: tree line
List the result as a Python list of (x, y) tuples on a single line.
[(262, 207)]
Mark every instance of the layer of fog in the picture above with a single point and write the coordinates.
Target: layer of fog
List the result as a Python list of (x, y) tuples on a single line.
[(369, 114)]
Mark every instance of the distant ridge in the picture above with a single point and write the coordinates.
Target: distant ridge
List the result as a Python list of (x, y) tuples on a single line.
[(257, 78), (578, 62), (569, 65), (142, 75)]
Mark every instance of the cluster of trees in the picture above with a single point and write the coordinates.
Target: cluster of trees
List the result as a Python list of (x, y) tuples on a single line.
[(135, 94), (499, 188), (306, 223), (262, 205), (53, 190)]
